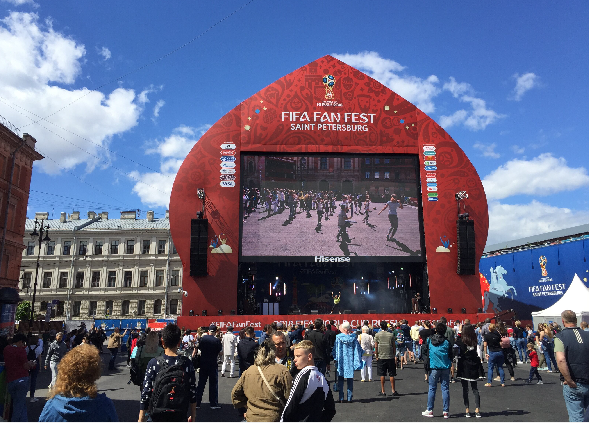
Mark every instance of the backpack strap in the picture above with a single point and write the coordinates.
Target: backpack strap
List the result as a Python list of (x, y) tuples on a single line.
[(269, 388)]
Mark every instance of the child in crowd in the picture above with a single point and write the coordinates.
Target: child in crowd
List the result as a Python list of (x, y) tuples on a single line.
[(533, 355)]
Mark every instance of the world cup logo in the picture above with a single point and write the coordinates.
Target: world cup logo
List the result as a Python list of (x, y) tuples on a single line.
[(329, 82), (543, 262)]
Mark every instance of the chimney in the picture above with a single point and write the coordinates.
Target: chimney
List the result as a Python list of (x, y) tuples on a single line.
[(30, 141), (75, 215), (167, 214), (150, 215), (91, 215), (42, 215), (63, 217), (131, 214), (104, 215)]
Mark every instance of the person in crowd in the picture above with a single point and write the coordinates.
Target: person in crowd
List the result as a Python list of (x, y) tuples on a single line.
[(585, 326), (310, 398), (17, 368), (321, 342), (283, 355), (229, 342), (263, 388), (56, 351), (114, 343), (571, 346), (470, 367), (533, 356), (384, 343), (348, 354), (520, 341), (414, 333), (367, 344), (440, 358), (546, 339), (247, 349), (330, 334), (209, 346), (145, 350), (450, 335), (508, 352), (409, 354), (34, 350), (75, 397), (494, 354), (171, 338), (267, 331), (424, 335)]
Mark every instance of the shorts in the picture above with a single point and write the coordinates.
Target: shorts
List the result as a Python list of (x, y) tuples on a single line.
[(386, 364), (409, 346), (401, 349)]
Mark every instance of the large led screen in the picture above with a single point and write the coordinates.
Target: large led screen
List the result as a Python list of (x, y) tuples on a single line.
[(330, 209)]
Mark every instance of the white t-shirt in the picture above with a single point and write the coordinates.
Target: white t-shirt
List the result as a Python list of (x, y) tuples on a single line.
[(229, 341)]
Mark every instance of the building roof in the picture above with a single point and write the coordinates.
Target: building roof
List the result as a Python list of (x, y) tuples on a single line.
[(536, 240), (103, 225)]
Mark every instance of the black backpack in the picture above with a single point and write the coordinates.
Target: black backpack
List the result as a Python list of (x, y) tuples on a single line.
[(31, 356), (170, 395)]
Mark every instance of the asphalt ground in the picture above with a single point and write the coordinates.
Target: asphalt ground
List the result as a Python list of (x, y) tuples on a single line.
[(517, 401)]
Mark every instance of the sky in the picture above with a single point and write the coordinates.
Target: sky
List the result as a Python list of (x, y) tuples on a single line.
[(117, 93)]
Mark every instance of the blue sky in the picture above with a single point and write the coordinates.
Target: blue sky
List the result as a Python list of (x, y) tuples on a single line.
[(508, 82)]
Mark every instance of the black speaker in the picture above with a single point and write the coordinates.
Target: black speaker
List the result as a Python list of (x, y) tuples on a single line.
[(466, 247), (199, 240)]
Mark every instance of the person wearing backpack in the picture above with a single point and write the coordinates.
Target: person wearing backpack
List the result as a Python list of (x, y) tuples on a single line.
[(146, 349), (169, 387), (440, 361), (34, 351)]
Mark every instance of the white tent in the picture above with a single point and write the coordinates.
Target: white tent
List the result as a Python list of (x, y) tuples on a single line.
[(576, 299)]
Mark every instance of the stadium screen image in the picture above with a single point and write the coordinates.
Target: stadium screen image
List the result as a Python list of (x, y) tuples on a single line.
[(318, 208)]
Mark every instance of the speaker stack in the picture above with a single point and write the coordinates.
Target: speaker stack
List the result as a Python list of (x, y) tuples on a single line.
[(199, 239), (466, 247)]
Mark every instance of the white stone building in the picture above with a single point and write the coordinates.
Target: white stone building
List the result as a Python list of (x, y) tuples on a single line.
[(103, 268)]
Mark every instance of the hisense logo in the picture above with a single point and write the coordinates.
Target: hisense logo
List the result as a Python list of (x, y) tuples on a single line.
[(323, 259)]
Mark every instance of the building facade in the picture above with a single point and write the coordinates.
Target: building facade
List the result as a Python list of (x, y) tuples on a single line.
[(103, 268), (16, 166)]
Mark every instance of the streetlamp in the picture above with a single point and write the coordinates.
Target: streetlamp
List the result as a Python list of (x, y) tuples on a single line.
[(43, 229)]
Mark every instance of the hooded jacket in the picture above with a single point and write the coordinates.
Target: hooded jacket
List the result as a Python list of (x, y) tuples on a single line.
[(440, 352), (75, 409), (348, 354)]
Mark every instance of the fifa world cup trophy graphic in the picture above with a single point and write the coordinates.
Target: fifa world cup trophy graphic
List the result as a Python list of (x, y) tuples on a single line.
[(329, 82), (543, 265)]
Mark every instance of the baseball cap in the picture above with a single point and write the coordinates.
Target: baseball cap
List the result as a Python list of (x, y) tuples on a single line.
[(212, 328)]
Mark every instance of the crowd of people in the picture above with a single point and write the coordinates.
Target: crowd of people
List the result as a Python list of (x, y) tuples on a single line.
[(284, 374)]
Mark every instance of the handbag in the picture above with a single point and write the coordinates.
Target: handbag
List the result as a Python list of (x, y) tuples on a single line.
[(269, 388)]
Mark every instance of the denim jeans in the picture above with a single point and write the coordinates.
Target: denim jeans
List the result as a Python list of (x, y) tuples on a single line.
[(113, 357), (576, 401), (521, 349), (209, 372), (443, 376), (417, 349), (340, 387), (18, 391), (53, 367), (496, 359), (549, 357)]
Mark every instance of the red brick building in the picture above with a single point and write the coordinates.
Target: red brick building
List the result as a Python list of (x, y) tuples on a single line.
[(16, 166)]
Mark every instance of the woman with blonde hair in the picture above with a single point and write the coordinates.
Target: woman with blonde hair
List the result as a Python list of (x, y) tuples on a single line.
[(546, 340), (494, 354), (367, 343), (75, 396), (264, 387)]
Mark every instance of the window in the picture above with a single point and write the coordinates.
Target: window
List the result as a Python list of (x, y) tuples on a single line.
[(114, 246), (157, 307), (46, 279), (347, 163), (26, 280), (161, 246), (59, 307), (323, 163), (376, 161), (92, 309), (98, 248), (50, 248), (367, 175), (95, 280), (31, 248), (143, 278), (80, 280), (63, 279), (83, 248), (76, 308), (112, 280), (125, 307), (387, 175), (146, 245), (174, 249), (67, 245), (376, 175), (367, 161), (128, 279), (387, 161), (159, 278), (130, 246), (43, 307), (108, 307), (173, 306), (175, 279), (141, 307)]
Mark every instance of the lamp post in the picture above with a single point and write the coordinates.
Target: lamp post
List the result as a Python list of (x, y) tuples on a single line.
[(42, 229)]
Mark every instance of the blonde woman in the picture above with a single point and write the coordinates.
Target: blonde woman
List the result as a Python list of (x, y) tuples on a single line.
[(546, 339), (367, 343)]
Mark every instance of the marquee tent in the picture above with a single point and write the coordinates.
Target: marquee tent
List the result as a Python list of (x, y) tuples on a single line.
[(576, 298)]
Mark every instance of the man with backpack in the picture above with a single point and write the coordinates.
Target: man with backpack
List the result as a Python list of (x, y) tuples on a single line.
[(169, 388), (210, 346)]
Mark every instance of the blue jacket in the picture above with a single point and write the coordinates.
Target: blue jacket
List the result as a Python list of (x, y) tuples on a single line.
[(440, 352), (348, 354), (85, 409)]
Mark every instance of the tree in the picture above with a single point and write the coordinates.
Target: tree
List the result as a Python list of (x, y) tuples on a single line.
[(23, 311)]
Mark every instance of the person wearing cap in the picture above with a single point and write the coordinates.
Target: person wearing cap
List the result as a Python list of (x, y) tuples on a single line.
[(210, 346), (229, 341)]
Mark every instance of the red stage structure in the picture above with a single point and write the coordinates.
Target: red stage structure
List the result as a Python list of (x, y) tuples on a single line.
[(301, 114)]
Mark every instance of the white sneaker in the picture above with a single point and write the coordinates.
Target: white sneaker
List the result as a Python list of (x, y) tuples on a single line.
[(446, 415), (428, 413)]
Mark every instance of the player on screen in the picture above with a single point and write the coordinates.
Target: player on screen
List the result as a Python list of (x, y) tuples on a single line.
[(392, 205)]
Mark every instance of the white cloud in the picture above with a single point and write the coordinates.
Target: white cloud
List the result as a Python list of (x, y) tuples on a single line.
[(417, 90), (38, 65), (541, 176), (457, 117), (487, 150), (508, 222), (157, 108), (517, 149), (22, 2), (154, 188), (524, 83), (105, 53)]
